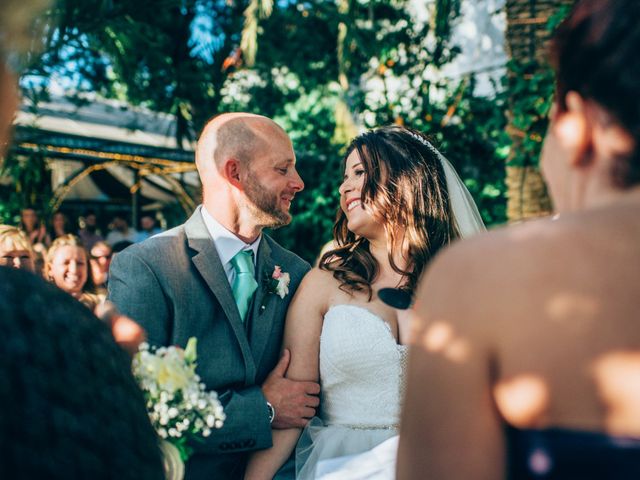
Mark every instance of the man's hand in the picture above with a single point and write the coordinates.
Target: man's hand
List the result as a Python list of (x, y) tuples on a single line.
[(127, 333), (295, 402)]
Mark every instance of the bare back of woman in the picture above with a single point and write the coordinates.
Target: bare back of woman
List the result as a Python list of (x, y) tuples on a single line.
[(526, 356)]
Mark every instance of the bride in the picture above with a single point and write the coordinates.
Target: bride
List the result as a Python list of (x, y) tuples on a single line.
[(400, 203)]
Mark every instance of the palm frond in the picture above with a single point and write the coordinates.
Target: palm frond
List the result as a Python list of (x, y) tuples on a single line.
[(256, 10)]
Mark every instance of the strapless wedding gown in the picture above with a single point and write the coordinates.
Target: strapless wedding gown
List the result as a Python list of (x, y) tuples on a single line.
[(362, 371)]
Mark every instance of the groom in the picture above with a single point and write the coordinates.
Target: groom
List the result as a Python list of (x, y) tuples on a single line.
[(208, 279)]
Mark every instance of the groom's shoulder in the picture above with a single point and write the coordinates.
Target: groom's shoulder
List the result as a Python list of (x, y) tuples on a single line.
[(161, 245), (286, 257)]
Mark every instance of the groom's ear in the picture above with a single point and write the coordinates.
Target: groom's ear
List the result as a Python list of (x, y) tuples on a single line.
[(231, 170)]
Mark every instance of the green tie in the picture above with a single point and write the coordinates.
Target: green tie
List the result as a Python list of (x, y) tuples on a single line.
[(245, 283)]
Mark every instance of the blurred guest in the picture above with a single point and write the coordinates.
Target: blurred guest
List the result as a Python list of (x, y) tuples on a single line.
[(60, 225), (148, 228), (89, 233), (39, 254), (126, 332), (8, 87), (32, 225), (526, 347), (70, 406), (120, 230), (67, 266), (15, 249), (100, 259)]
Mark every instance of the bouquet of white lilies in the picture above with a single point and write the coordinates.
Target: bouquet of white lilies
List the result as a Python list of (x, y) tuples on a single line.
[(179, 407)]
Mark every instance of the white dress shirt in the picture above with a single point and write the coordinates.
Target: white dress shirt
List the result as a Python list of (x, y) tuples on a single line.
[(227, 244)]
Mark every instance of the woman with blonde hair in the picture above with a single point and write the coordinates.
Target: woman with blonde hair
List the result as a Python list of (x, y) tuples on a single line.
[(67, 266), (15, 249)]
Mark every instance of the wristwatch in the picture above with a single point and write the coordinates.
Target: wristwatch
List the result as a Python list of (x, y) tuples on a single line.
[(272, 412)]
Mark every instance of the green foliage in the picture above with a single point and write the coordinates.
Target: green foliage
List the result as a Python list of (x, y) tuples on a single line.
[(31, 186), (320, 68), (477, 145), (144, 52), (380, 43), (531, 89), (446, 12)]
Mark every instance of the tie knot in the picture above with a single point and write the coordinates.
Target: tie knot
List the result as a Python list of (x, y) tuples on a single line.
[(242, 262)]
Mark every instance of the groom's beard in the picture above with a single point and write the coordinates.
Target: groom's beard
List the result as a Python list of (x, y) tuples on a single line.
[(264, 205)]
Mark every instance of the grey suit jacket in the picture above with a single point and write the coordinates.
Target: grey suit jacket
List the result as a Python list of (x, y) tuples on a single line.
[(175, 286)]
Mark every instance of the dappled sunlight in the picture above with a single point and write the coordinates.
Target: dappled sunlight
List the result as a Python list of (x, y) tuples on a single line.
[(573, 308), (617, 378), (523, 400), (440, 337)]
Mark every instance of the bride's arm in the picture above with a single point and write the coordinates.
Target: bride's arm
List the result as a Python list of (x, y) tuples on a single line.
[(302, 338)]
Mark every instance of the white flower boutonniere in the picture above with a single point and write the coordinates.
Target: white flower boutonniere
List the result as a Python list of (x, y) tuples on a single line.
[(279, 283), (276, 283)]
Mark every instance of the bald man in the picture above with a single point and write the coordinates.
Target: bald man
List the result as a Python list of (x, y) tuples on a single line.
[(187, 282)]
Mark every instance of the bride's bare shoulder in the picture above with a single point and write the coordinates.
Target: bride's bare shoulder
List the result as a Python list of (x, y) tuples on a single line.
[(318, 278), (316, 289)]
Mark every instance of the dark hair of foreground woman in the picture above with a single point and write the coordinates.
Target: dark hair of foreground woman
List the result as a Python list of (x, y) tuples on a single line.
[(70, 406)]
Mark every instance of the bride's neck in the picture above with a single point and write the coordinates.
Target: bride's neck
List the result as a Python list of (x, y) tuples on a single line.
[(380, 251)]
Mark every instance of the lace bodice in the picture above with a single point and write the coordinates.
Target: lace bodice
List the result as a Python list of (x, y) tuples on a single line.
[(362, 369)]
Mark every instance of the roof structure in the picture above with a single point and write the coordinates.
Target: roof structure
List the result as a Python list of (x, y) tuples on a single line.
[(108, 152)]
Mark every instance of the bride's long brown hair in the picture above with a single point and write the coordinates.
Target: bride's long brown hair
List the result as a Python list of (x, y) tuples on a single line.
[(405, 187)]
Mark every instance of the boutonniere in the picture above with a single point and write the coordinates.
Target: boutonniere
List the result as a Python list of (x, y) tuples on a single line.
[(276, 283)]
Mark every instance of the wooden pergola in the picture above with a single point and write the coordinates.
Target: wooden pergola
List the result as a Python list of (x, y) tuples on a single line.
[(107, 158)]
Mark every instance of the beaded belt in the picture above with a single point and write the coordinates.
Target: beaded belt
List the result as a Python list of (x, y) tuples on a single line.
[(371, 427)]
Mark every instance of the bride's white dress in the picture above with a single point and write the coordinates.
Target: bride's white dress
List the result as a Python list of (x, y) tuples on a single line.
[(362, 371)]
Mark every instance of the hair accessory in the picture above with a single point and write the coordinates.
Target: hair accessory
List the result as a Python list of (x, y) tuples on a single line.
[(464, 210), (422, 140)]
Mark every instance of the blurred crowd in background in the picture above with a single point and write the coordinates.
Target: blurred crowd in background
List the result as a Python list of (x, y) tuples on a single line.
[(73, 254)]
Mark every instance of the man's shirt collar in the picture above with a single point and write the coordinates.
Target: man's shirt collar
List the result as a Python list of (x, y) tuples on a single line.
[(226, 242)]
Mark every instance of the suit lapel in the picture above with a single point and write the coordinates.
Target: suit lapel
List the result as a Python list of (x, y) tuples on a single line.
[(262, 318), (207, 261)]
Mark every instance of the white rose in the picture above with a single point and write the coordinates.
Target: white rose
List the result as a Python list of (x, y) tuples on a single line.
[(282, 288)]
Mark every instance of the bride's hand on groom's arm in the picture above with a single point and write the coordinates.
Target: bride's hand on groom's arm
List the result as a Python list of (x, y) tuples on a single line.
[(294, 401)]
